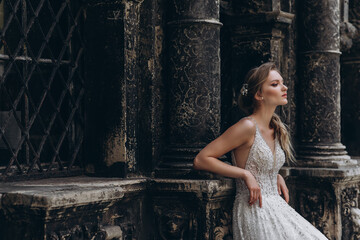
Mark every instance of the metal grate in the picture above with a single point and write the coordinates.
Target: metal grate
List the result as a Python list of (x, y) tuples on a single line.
[(41, 88)]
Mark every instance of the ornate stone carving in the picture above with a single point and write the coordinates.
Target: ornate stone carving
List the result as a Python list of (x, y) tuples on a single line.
[(320, 88), (348, 200), (355, 219), (87, 231), (195, 92), (223, 229), (174, 222), (193, 209), (193, 70), (314, 207), (349, 213), (347, 32), (321, 22)]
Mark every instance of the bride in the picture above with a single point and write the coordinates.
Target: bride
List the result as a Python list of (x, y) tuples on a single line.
[(259, 146)]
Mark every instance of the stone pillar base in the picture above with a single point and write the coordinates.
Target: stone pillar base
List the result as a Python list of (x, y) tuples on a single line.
[(324, 155), (328, 198), (193, 209)]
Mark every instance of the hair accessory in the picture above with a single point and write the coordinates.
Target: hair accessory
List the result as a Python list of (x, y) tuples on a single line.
[(244, 89)]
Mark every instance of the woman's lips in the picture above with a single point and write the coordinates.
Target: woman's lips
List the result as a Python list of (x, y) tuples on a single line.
[(285, 95)]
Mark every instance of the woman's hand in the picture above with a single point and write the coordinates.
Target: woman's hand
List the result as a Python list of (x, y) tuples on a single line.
[(254, 189), (282, 187)]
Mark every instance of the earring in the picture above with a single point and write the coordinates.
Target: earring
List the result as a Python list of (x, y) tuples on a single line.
[(262, 98)]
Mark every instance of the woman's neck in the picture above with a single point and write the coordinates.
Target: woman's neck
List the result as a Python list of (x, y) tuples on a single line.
[(263, 116)]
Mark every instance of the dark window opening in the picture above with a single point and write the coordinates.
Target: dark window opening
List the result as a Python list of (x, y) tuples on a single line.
[(41, 88)]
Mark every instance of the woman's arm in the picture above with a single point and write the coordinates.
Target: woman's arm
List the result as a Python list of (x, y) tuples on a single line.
[(235, 136)]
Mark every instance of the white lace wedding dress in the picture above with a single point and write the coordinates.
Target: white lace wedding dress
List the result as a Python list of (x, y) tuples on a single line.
[(276, 220)]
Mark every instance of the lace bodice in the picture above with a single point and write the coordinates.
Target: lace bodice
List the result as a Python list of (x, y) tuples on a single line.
[(263, 164)]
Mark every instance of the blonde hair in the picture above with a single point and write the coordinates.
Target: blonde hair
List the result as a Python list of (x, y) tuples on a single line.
[(255, 78)]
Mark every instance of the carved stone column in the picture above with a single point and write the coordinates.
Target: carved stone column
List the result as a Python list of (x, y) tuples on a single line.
[(324, 184), (319, 103), (193, 65)]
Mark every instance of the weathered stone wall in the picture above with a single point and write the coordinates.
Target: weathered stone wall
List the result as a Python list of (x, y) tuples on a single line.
[(102, 208), (111, 62), (252, 35), (75, 208)]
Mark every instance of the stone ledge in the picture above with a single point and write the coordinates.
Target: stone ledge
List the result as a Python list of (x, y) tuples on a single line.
[(346, 172), (63, 192), (77, 191), (208, 188)]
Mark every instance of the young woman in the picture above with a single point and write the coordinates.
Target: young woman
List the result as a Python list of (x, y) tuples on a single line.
[(259, 145)]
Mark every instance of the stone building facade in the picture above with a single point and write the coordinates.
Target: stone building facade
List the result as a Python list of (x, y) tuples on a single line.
[(105, 104)]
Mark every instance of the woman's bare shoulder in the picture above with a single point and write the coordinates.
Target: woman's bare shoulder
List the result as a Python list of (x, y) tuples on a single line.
[(244, 127), (246, 124)]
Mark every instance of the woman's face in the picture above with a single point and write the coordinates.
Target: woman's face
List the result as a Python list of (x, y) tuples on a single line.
[(273, 91)]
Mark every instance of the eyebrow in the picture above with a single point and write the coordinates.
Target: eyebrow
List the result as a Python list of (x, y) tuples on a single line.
[(277, 80)]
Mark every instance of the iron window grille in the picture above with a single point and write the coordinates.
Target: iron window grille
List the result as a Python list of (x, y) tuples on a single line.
[(41, 88)]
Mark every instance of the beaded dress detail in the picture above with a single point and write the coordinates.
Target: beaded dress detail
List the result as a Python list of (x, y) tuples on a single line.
[(276, 220)]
